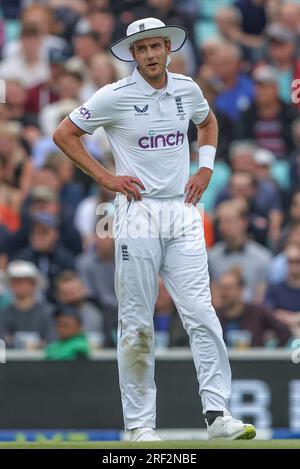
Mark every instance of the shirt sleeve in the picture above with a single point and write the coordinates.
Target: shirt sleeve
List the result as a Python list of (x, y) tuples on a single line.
[(96, 112), (201, 106)]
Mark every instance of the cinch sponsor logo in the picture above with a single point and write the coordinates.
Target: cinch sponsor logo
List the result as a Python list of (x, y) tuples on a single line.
[(161, 141), (85, 112)]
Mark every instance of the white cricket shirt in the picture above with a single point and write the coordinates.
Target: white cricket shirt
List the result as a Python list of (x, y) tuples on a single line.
[(147, 128)]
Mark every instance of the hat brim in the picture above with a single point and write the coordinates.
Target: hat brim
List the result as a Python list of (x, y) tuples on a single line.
[(176, 34)]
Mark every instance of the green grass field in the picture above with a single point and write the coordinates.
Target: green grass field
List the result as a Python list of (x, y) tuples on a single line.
[(253, 444)]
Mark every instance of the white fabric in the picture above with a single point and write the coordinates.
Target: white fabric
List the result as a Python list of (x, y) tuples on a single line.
[(180, 258), (207, 154), (147, 133)]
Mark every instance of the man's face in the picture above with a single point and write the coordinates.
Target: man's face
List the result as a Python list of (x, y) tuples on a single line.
[(265, 93), (23, 287), (231, 225), (151, 56), (67, 327), (43, 238), (229, 290), (71, 292)]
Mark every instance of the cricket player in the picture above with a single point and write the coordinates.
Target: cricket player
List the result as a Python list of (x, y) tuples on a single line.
[(146, 117)]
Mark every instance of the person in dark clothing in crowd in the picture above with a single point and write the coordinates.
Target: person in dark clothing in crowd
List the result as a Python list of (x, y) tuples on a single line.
[(44, 249), (284, 297), (27, 322), (72, 343), (46, 200), (245, 324), (268, 120), (70, 291)]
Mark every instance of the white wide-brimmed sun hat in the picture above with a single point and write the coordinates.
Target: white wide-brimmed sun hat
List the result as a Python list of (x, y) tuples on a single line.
[(143, 29)]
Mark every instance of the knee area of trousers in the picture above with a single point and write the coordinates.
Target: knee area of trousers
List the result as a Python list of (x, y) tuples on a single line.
[(139, 340)]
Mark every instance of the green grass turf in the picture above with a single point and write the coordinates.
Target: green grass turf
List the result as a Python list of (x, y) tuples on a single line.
[(253, 444)]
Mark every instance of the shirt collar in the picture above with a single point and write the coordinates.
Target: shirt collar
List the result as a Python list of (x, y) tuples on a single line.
[(146, 88)]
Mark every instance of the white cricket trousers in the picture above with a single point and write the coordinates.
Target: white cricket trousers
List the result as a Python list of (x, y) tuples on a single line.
[(164, 236)]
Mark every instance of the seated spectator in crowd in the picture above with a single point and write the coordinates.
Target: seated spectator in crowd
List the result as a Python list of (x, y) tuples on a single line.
[(85, 47), (236, 89), (264, 205), (281, 54), (268, 120), (72, 343), (29, 64), (27, 322), (44, 250), (10, 202), (97, 270), (246, 324), (70, 291), (18, 169), (70, 191), (236, 249), (68, 88), (16, 97), (231, 23), (102, 71), (47, 92), (43, 199), (278, 268), (42, 18), (284, 297)]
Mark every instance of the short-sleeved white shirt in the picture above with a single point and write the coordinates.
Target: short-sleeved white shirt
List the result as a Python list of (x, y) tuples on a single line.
[(147, 129)]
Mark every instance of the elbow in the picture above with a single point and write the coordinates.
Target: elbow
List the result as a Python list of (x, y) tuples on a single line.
[(57, 137)]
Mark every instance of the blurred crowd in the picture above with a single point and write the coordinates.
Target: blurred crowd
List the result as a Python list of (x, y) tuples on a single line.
[(56, 274)]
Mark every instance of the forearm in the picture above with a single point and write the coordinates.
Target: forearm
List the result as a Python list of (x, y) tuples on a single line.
[(208, 131), (207, 140), (73, 147)]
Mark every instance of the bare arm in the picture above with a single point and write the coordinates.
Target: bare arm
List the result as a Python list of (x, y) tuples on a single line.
[(207, 135), (67, 137)]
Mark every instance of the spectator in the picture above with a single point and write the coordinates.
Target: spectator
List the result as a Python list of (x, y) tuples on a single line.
[(268, 120), (236, 249), (16, 96), (41, 18), (235, 88), (28, 65), (18, 168), (47, 92), (284, 297), (264, 205), (278, 269), (44, 250), (281, 54), (102, 71), (230, 23), (68, 87), (43, 199), (70, 291), (245, 324), (72, 343), (27, 322), (70, 191)]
